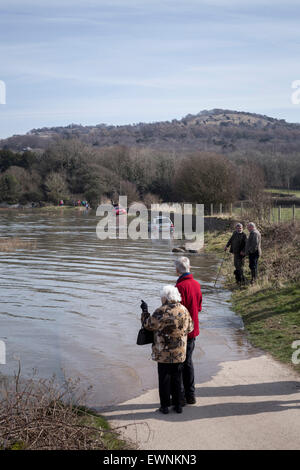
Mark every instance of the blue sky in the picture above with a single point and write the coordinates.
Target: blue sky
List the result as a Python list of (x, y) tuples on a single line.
[(127, 61)]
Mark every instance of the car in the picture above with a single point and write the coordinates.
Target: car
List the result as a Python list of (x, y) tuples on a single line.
[(119, 210), (162, 224)]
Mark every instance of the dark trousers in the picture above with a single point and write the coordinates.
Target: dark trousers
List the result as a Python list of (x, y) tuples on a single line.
[(239, 267), (253, 263), (169, 382), (188, 377)]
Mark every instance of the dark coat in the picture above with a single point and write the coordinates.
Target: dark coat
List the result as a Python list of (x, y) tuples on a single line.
[(237, 242)]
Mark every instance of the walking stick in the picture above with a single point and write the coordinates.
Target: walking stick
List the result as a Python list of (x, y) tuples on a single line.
[(220, 269)]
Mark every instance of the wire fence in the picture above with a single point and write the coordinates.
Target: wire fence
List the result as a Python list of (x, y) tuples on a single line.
[(242, 209)]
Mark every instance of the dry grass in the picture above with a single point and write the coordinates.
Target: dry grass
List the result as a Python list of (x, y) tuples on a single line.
[(42, 415), (280, 260), (15, 243), (281, 252), (269, 307)]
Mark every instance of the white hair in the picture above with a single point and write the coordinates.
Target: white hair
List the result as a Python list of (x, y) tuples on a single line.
[(182, 265), (251, 224), (170, 294)]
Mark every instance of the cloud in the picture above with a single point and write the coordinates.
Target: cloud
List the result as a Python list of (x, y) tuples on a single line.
[(131, 60)]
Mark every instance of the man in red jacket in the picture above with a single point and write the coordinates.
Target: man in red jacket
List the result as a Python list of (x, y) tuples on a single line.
[(191, 298)]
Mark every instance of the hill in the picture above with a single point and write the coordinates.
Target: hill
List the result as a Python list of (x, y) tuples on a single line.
[(217, 130)]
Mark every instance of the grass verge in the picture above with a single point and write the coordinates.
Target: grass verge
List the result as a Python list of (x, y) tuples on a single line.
[(46, 415), (270, 308), (271, 317)]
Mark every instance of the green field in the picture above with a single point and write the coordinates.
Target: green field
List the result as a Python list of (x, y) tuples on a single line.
[(288, 192), (286, 214)]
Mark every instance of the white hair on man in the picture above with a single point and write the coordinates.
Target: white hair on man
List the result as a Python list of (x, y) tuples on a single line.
[(251, 224), (182, 265), (170, 294)]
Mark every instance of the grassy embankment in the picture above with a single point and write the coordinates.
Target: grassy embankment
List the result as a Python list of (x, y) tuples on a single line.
[(44, 415), (271, 307)]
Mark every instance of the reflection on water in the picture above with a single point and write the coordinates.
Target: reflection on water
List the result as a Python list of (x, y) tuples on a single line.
[(72, 305)]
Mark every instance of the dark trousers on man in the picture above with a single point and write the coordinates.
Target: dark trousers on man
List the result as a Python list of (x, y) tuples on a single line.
[(188, 377), (239, 268), (253, 264), (169, 382)]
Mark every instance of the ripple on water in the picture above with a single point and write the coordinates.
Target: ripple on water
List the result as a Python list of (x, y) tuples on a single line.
[(73, 304)]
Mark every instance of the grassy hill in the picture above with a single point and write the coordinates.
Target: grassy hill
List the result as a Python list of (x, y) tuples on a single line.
[(217, 130)]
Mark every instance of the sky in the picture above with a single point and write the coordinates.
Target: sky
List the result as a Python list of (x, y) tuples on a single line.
[(127, 61)]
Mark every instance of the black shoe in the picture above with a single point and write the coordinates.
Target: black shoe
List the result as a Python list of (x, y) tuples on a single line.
[(191, 400), (182, 402), (164, 410), (178, 409)]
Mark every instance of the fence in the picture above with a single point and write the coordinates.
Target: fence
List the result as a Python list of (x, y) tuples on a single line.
[(273, 214), (243, 210)]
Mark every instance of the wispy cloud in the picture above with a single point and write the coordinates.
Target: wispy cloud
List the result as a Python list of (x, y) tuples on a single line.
[(132, 60)]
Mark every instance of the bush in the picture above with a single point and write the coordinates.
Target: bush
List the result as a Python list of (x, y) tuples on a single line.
[(206, 178), (43, 415)]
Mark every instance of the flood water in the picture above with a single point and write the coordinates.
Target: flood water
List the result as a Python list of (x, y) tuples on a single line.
[(70, 306)]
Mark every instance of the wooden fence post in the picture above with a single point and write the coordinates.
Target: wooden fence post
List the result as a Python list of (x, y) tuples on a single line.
[(279, 213), (211, 209), (231, 209), (221, 208), (242, 205), (294, 213)]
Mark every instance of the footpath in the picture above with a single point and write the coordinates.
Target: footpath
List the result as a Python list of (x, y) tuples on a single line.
[(248, 404)]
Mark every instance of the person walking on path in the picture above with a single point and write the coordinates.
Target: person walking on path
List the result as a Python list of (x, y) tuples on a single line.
[(237, 243), (253, 249), (191, 295), (171, 324)]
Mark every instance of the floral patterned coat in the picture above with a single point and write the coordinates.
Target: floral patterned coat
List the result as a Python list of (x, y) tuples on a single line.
[(171, 324)]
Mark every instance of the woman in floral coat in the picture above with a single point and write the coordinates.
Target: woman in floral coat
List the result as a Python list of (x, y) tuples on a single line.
[(171, 323)]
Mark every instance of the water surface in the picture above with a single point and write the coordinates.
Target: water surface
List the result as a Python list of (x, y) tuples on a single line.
[(71, 306)]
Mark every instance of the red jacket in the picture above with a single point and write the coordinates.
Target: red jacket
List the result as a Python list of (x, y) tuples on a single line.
[(191, 295)]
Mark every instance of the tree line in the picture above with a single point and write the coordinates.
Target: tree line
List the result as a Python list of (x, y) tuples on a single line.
[(70, 169)]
